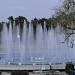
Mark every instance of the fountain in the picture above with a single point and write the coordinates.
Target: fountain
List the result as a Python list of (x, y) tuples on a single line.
[(19, 45)]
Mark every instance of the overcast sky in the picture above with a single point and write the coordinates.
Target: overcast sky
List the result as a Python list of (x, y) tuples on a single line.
[(27, 8)]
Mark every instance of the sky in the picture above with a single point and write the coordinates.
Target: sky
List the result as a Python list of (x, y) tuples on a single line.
[(28, 8)]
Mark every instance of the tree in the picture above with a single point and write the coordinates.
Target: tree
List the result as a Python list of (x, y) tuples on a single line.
[(34, 23), (1, 28), (11, 20), (65, 16)]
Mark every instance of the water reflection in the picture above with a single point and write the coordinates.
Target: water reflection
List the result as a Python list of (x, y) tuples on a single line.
[(18, 45)]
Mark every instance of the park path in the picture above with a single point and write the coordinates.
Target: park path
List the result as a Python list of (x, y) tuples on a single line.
[(62, 73)]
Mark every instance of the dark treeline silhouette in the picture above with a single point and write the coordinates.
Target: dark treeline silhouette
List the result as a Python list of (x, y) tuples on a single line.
[(1, 28), (21, 21), (17, 21), (41, 22), (34, 23), (11, 20), (45, 23)]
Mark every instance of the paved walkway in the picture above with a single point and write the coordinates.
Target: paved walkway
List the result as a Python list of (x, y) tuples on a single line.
[(62, 73)]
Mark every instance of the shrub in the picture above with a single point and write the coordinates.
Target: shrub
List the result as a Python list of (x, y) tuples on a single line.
[(69, 67)]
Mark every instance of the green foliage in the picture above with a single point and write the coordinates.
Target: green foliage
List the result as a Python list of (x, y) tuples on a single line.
[(1, 26), (41, 21), (20, 20), (27, 24), (34, 23), (11, 19), (66, 15), (69, 67), (8, 24)]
